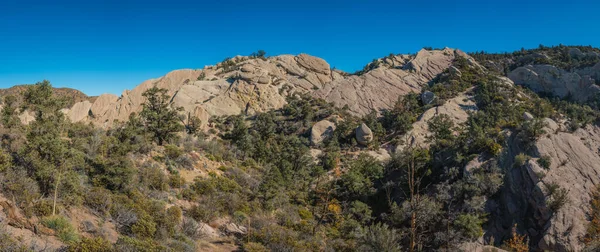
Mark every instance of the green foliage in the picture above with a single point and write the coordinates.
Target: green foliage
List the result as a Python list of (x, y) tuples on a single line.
[(96, 244), (172, 151), (400, 118), (441, 128), (557, 197), (357, 182), (63, 228), (380, 237), (9, 114), (159, 118), (142, 245), (470, 225), (545, 161), (521, 159)]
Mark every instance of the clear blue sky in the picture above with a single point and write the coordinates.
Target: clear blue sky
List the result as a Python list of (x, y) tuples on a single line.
[(108, 46)]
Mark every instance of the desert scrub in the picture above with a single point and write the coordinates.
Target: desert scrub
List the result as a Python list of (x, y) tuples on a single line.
[(545, 161), (63, 228), (521, 159)]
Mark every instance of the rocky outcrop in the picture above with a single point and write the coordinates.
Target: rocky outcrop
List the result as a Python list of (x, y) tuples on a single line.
[(249, 85), (321, 131), (580, 84), (528, 198), (364, 135), (456, 108)]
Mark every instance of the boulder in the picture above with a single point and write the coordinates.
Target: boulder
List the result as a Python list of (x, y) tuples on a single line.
[(528, 116), (381, 155), (455, 71), (321, 131), (79, 111), (234, 229), (364, 135), (313, 64), (427, 97)]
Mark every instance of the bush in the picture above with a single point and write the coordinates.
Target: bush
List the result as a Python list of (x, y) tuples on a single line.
[(172, 151), (63, 228), (91, 245), (141, 245), (99, 200), (43, 207), (520, 160), (557, 197), (380, 237), (545, 161), (470, 225), (144, 227)]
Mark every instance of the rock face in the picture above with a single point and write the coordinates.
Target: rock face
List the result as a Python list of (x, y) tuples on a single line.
[(550, 79), (575, 167), (364, 135), (249, 85), (456, 108), (321, 131), (427, 97)]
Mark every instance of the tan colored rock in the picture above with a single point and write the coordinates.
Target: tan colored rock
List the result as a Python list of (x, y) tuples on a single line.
[(549, 79), (285, 74), (321, 131), (364, 135), (26, 117), (79, 111), (381, 155), (313, 64), (456, 108), (103, 104)]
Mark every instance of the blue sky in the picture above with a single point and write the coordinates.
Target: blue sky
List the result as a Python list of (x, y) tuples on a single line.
[(108, 46)]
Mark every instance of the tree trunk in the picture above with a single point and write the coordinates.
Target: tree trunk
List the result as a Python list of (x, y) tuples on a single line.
[(55, 194)]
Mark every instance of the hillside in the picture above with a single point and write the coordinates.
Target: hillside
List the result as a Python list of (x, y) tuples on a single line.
[(71, 95), (434, 151)]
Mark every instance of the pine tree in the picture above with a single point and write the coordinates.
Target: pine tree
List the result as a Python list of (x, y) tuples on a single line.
[(160, 119), (48, 153)]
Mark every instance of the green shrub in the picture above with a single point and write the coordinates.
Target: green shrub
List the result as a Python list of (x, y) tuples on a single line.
[(254, 247), (172, 151), (99, 200), (144, 227), (521, 159), (96, 244), (545, 161), (470, 225), (63, 228), (43, 207), (141, 245), (176, 181)]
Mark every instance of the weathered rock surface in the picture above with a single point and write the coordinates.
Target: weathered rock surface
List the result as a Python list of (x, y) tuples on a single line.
[(476, 247), (364, 135), (250, 85), (321, 131), (456, 108), (550, 79), (575, 167)]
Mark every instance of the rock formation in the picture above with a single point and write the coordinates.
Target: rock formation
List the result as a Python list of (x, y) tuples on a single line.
[(248, 85), (364, 135), (321, 131)]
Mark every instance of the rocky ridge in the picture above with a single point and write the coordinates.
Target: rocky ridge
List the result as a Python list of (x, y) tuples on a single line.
[(247, 84)]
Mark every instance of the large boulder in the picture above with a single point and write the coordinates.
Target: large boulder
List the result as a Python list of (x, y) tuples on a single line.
[(313, 64), (79, 111), (427, 97), (364, 135), (321, 131)]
